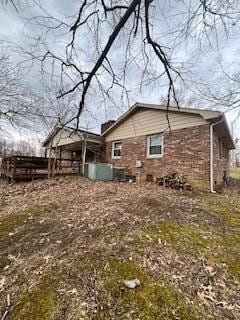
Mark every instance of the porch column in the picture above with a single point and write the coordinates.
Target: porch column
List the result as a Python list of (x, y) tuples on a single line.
[(84, 155)]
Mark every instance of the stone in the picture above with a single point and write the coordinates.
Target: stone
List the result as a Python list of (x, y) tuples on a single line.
[(131, 284)]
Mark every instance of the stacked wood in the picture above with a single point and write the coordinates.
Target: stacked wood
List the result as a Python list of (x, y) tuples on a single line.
[(174, 181)]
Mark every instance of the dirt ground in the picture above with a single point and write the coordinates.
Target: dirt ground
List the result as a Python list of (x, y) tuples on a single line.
[(67, 245)]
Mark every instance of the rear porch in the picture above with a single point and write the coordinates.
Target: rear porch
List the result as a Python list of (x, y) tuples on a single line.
[(59, 160)]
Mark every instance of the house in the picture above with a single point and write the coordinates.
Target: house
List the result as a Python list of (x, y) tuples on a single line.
[(147, 141)]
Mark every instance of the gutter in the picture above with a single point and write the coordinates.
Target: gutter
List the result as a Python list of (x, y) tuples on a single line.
[(211, 155)]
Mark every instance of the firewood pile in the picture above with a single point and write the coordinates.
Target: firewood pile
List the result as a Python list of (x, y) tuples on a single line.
[(174, 181)]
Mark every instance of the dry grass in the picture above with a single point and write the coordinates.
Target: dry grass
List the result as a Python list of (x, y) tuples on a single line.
[(67, 245)]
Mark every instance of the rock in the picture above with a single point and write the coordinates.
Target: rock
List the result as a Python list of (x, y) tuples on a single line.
[(131, 284)]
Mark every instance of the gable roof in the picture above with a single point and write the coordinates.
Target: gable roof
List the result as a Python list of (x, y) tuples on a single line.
[(208, 115), (56, 129)]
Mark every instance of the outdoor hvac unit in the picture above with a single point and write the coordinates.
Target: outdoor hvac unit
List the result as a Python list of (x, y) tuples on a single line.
[(118, 174), (98, 171)]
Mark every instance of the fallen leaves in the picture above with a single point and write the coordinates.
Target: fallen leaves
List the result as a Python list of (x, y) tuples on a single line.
[(97, 217)]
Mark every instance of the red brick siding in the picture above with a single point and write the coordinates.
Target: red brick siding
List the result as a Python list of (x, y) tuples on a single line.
[(220, 159), (186, 151)]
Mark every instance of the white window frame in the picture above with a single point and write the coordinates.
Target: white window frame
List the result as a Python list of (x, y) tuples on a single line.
[(113, 148), (154, 156)]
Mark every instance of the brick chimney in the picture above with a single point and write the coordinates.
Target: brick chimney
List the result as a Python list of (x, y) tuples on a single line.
[(106, 125)]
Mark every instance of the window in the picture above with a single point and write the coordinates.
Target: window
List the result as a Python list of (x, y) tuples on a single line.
[(155, 146), (116, 149)]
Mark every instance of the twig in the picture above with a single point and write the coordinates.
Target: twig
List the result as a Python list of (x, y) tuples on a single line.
[(8, 300), (4, 315)]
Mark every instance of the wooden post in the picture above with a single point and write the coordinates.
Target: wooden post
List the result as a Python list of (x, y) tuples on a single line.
[(54, 162), (84, 155), (49, 161)]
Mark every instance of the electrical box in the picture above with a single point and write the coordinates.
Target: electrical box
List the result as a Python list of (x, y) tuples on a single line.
[(138, 164)]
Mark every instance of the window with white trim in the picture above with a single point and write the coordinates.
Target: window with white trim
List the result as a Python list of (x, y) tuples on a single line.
[(116, 149), (155, 145)]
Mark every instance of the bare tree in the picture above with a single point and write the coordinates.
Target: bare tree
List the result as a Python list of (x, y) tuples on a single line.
[(17, 102), (11, 148), (103, 42)]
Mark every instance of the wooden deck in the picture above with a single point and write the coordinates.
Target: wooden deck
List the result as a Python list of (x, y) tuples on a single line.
[(22, 168)]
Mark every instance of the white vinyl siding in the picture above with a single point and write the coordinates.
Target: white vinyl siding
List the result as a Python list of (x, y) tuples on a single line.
[(150, 121)]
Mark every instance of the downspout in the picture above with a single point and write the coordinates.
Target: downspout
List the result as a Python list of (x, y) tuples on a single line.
[(211, 155)]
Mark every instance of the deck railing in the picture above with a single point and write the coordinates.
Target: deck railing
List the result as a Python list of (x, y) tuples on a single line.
[(28, 168)]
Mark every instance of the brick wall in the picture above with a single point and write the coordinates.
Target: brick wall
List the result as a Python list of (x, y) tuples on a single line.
[(186, 151), (220, 159)]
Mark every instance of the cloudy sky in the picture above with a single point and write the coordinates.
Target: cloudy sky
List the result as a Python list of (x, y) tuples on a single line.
[(199, 59)]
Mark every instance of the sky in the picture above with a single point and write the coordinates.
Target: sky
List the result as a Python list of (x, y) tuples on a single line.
[(16, 27)]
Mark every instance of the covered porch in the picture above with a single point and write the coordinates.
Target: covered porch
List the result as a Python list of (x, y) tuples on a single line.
[(66, 152), (78, 146)]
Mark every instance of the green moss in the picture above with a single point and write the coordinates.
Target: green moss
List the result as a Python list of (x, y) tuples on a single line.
[(229, 254), (234, 268), (224, 248), (228, 208), (188, 238), (230, 216), (44, 303), (39, 305), (18, 229), (148, 301), (10, 222)]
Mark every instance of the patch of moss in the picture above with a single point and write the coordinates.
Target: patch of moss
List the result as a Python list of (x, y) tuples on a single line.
[(227, 207), (39, 305), (151, 300), (188, 238), (10, 222), (229, 253), (44, 303), (18, 229)]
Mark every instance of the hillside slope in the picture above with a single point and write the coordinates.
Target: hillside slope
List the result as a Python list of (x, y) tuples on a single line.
[(67, 245)]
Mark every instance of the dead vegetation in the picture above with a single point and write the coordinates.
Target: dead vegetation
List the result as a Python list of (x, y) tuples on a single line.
[(68, 244)]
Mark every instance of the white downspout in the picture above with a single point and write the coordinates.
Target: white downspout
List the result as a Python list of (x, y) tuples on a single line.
[(211, 156)]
